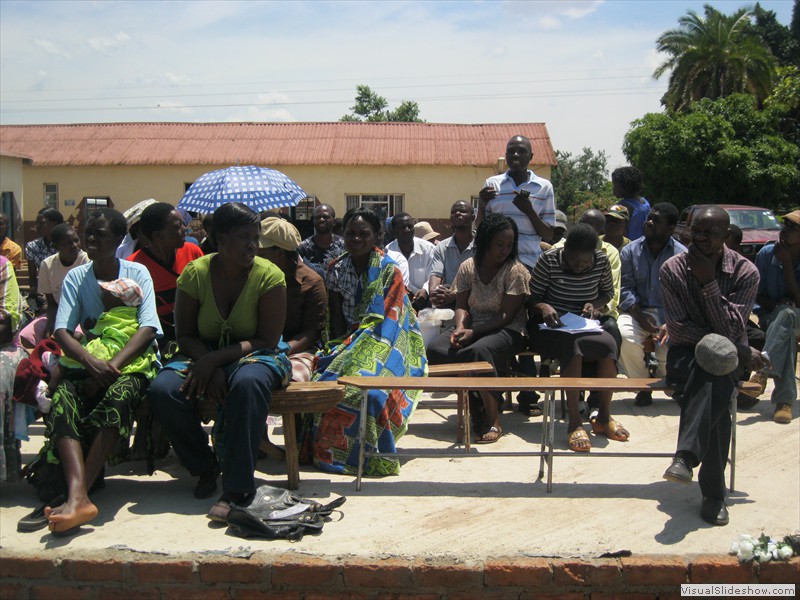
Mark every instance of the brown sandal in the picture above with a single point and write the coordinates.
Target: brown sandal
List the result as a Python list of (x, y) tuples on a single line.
[(490, 437), (576, 436), (613, 430)]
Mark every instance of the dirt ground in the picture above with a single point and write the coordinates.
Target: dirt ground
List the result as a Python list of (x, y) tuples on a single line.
[(471, 508)]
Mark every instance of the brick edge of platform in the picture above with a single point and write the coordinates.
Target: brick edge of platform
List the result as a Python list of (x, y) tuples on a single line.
[(116, 574)]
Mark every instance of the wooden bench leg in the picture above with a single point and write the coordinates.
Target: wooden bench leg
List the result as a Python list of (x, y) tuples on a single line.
[(362, 436), (292, 458)]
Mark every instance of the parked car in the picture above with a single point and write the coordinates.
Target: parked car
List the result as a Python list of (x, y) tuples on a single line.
[(759, 226)]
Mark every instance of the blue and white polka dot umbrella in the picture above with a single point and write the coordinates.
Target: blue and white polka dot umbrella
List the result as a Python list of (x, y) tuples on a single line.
[(258, 187)]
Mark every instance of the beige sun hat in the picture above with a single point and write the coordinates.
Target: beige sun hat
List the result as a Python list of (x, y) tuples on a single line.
[(793, 216), (278, 232), (424, 231)]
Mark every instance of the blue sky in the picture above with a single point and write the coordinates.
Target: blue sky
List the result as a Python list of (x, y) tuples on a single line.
[(582, 67)]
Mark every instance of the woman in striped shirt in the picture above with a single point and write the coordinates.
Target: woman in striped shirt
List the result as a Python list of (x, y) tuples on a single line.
[(576, 279)]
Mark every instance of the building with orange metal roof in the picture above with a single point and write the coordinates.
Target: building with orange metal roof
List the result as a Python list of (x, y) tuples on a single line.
[(420, 168)]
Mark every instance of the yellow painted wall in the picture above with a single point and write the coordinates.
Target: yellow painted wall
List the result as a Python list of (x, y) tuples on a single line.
[(429, 190), (11, 180)]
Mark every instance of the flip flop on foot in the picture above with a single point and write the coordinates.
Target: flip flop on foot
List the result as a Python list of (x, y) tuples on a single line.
[(579, 440), (490, 437), (66, 518), (613, 430)]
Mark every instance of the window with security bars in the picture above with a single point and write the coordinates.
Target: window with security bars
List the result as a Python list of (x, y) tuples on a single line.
[(51, 195), (101, 202), (384, 205)]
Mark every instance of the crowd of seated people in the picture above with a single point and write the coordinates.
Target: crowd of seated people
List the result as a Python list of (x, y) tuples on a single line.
[(252, 307)]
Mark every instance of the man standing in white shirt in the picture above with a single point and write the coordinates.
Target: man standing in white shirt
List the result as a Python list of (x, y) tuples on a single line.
[(419, 255), (523, 196)]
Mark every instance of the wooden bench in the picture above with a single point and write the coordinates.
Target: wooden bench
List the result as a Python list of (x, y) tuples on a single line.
[(548, 385), (298, 397), (321, 396), (456, 369)]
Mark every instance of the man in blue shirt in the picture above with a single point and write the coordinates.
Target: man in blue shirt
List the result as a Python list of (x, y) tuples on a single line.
[(779, 313), (627, 186), (641, 320)]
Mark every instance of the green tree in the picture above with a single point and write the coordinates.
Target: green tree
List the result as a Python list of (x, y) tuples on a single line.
[(371, 107), (776, 36), (785, 101), (718, 151), (581, 182), (713, 56)]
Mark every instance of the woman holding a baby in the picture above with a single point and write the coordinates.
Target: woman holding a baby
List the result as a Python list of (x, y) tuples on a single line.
[(100, 384)]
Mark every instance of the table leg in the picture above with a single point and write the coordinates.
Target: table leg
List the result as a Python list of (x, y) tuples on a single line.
[(290, 442), (467, 420), (460, 431), (362, 435), (732, 457), (545, 421), (550, 441)]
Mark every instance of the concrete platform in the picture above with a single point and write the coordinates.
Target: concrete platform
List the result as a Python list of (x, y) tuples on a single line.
[(467, 509)]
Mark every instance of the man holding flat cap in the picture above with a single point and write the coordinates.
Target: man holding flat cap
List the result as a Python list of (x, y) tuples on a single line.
[(709, 289)]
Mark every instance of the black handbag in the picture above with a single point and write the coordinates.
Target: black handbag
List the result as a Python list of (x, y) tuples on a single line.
[(277, 514)]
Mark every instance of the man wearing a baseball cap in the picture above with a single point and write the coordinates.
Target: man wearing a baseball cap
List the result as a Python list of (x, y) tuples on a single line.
[(779, 314), (306, 298), (559, 231), (617, 219)]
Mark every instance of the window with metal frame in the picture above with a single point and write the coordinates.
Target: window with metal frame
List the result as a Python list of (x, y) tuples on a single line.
[(384, 205), (51, 195)]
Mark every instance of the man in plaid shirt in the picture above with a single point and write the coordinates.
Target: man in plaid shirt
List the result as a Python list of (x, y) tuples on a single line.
[(708, 289)]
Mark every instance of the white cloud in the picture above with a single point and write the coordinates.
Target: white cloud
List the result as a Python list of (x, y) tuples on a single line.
[(577, 10), (551, 14), (142, 79), (176, 79), (262, 111), (548, 22), (51, 48), (41, 81), (104, 43), (179, 107)]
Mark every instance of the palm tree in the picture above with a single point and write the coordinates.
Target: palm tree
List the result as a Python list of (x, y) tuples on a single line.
[(714, 56)]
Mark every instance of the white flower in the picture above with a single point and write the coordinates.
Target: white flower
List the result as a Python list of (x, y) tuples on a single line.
[(734, 548), (785, 552), (745, 553), (744, 537)]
